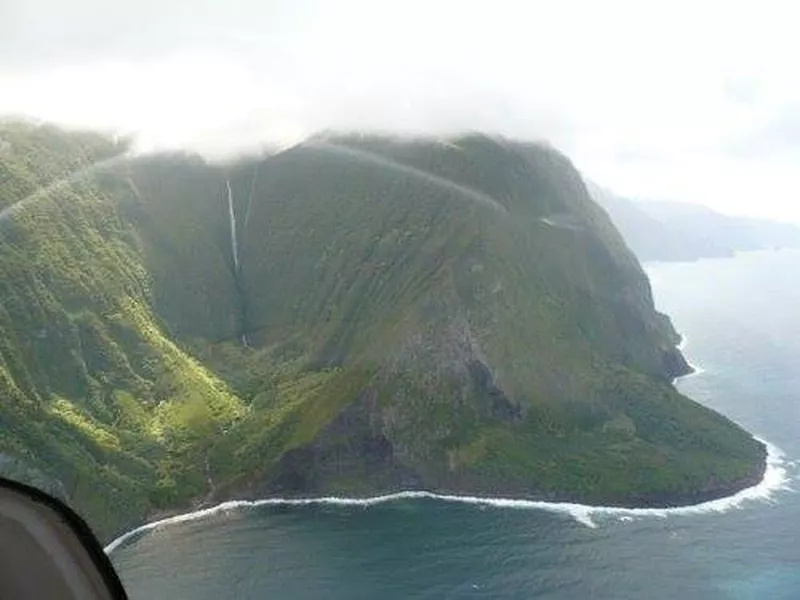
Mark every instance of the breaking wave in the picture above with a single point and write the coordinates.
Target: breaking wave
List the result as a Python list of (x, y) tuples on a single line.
[(775, 479), (695, 369)]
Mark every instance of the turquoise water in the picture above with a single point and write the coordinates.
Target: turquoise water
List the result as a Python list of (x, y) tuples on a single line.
[(742, 324)]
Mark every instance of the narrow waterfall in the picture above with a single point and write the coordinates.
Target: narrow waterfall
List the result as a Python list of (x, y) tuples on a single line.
[(237, 271), (232, 215)]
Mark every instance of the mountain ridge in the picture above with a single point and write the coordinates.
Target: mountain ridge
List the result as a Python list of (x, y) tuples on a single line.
[(373, 327), (675, 231)]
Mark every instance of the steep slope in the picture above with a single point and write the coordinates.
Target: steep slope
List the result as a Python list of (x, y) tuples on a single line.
[(457, 317), (355, 314), (95, 400), (33, 158), (672, 231)]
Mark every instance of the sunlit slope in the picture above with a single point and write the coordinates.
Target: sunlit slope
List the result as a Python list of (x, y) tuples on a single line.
[(34, 158), (96, 402), (451, 315)]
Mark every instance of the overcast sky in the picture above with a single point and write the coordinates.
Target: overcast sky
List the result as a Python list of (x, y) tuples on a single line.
[(685, 100)]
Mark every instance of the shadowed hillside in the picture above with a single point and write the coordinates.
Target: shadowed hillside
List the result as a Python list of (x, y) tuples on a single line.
[(455, 316)]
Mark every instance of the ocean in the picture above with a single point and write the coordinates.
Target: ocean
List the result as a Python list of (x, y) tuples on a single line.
[(741, 324)]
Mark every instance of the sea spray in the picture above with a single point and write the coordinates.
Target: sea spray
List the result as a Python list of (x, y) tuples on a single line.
[(695, 368), (775, 479)]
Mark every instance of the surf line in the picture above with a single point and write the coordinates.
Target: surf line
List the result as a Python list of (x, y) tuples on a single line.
[(775, 479), (695, 368)]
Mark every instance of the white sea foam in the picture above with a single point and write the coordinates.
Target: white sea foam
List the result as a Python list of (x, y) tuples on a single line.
[(775, 479), (696, 369), (682, 344)]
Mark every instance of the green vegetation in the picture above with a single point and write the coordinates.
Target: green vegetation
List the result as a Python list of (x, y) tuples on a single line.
[(92, 391), (459, 317)]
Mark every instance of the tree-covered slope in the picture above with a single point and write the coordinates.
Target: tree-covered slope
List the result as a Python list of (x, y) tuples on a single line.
[(456, 316), (94, 398)]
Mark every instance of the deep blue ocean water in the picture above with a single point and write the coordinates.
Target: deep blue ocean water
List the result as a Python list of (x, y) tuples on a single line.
[(741, 319)]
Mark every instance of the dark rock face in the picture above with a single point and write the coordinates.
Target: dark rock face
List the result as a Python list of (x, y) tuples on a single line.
[(675, 364), (351, 450), (499, 405), (392, 314), (529, 347)]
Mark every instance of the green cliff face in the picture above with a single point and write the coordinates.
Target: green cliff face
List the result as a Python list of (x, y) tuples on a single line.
[(94, 394), (456, 316)]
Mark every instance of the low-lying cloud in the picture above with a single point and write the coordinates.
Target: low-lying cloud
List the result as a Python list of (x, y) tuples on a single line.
[(673, 99)]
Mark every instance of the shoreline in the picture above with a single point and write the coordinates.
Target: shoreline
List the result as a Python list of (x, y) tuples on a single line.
[(694, 369), (773, 480)]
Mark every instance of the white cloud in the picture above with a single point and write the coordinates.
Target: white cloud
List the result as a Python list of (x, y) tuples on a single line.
[(653, 99)]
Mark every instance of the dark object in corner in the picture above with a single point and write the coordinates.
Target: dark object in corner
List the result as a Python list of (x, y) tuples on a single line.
[(48, 551)]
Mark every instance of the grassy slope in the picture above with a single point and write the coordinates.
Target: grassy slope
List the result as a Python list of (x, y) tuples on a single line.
[(405, 332), (92, 393), (381, 272)]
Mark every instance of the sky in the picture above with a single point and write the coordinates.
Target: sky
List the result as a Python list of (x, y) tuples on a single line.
[(695, 101)]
